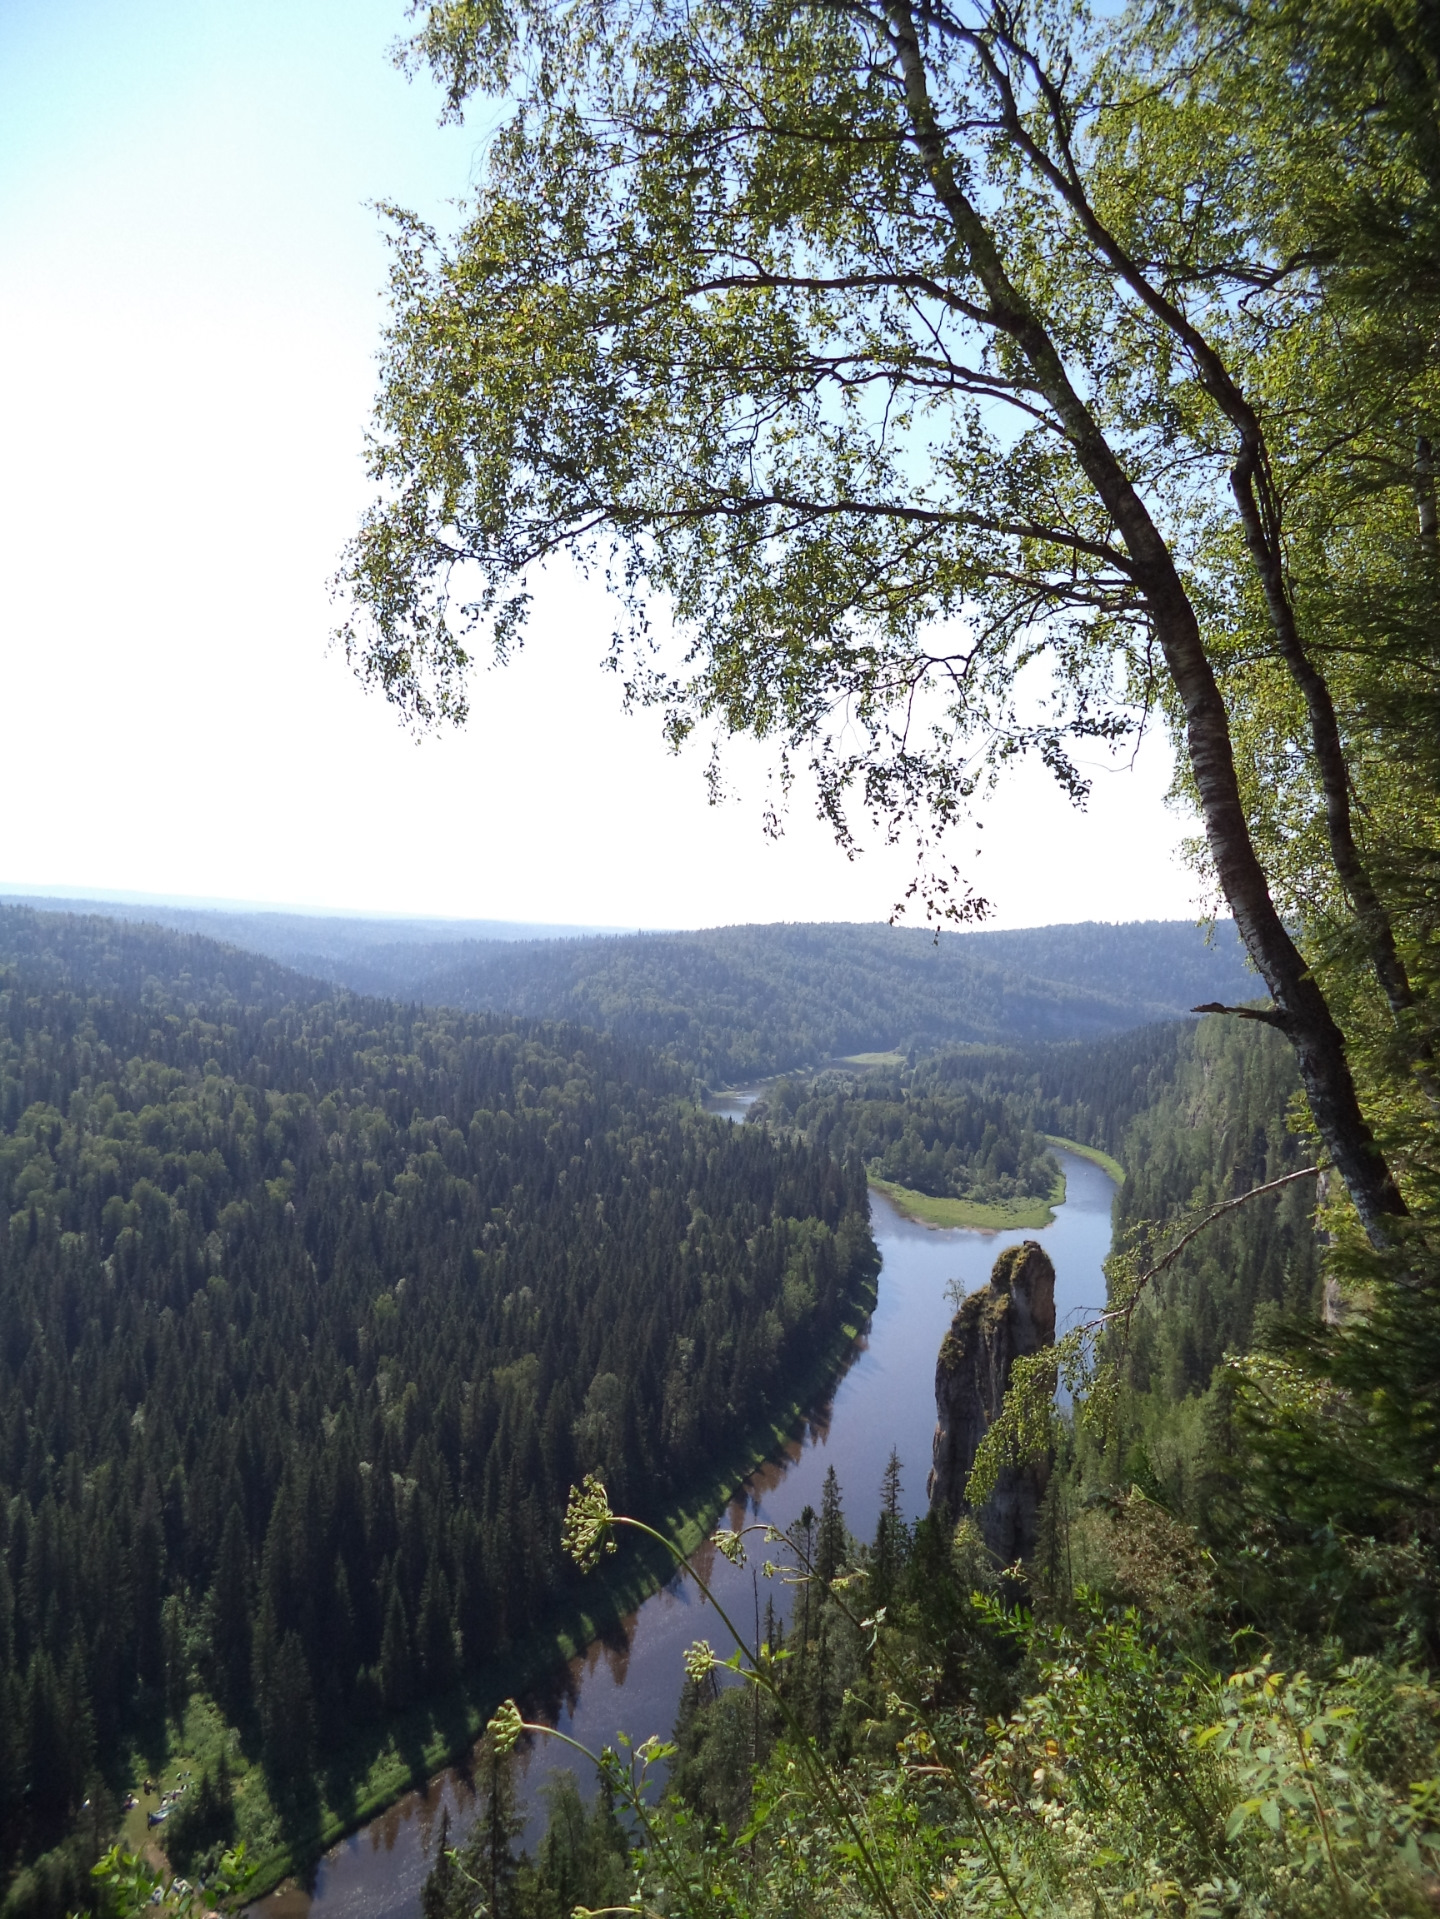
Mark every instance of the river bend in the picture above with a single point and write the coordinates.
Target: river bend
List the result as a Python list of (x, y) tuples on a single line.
[(630, 1679)]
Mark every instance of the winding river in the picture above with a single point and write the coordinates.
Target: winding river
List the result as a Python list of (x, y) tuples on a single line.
[(630, 1680)]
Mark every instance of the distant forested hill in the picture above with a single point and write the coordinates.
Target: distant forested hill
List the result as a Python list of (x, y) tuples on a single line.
[(312, 1309), (320, 945), (90, 954), (745, 1002)]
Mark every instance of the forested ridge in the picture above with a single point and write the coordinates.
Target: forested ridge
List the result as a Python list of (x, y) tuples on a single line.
[(312, 1310), (316, 942), (736, 1003), (744, 1002), (1222, 1126)]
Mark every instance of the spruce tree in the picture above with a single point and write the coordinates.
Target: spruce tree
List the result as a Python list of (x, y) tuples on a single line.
[(435, 1637), (289, 1721), (489, 1860), (396, 1670), (47, 1756), (442, 1895), (264, 1650), (887, 1555), (830, 1540), (147, 1572), (176, 1658)]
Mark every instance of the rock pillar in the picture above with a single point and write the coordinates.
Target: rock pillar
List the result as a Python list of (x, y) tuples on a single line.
[(1010, 1318)]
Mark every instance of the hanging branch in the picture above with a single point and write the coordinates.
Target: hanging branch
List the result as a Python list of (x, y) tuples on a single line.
[(1226, 1206)]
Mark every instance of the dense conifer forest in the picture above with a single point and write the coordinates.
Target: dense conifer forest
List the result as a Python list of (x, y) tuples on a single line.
[(1224, 1124), (312, 1310)]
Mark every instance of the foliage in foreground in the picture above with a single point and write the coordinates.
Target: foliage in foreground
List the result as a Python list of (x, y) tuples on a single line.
[(957, 1752), (122, 1884)]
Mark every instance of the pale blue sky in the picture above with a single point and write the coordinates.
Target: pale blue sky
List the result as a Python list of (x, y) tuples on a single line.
[(189, 311)]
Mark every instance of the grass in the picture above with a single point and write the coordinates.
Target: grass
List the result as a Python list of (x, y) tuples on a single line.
[(200, 1742), (873, 1059), (1009, 1214), (1092, 1153), (375, 1769), (972, 1212)]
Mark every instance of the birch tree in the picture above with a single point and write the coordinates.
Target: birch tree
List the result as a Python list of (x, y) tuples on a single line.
[(896, 351)]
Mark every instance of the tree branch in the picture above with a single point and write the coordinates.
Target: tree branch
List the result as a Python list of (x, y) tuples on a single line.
[(1216, 1212), (1268, 1014)]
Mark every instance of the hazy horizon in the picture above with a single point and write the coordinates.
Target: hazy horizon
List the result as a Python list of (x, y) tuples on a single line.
[(17, 893)]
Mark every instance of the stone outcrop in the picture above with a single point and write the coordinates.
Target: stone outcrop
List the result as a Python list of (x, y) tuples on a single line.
[(1011, 1317)]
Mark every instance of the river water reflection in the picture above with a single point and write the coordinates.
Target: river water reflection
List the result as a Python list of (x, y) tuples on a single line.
[(631, 1679)]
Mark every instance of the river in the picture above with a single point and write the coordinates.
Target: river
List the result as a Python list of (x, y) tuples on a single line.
[(630, 1680)]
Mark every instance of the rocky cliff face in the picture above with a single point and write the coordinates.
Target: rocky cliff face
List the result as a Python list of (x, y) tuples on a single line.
[(1008, 1319)]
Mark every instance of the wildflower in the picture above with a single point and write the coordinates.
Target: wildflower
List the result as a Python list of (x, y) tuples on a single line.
[(589, 1524), (505, 1727), (700, 1660)]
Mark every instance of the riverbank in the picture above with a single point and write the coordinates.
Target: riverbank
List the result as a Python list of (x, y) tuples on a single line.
[(369, 1775), (1006, 1217), (1092, 1153)]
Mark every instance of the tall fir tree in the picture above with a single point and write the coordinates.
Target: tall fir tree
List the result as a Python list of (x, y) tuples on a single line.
[(887, 1555), (830, 1539)]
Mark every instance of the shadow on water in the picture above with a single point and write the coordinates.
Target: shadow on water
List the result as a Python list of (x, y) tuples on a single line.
[(630, 1677)]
